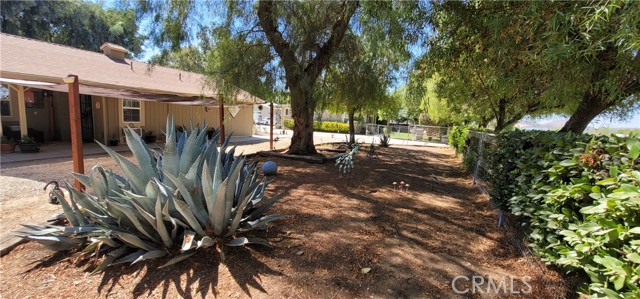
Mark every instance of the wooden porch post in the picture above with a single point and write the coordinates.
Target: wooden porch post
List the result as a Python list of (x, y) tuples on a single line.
[(74, 124), (22, 111), (105, 128), (271, 126), (221, 112)]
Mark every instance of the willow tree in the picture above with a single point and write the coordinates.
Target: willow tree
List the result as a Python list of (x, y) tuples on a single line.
[(270, 47), (479, 53), (597, 44), (357, 81), (504, 60)]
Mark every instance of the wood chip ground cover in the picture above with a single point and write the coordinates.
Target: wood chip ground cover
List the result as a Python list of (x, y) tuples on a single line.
[(410, 244)]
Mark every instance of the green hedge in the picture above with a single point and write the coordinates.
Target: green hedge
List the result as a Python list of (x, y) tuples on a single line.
[(580, 196), (325, 126), (288, 123), (458, 137)]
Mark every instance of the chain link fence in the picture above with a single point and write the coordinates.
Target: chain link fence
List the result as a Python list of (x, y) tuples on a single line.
[(476, 153), (409, 132)]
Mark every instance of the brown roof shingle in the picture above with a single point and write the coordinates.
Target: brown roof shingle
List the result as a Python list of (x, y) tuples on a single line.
[(28, 59)]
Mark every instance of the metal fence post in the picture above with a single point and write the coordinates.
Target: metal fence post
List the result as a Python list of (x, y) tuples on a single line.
[(479, 158)]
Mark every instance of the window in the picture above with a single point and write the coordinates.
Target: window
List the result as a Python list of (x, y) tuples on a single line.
[(131, 111), (5, 101), (286, 112)]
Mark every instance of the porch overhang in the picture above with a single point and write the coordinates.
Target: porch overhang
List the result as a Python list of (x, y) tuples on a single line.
[(114, 92)]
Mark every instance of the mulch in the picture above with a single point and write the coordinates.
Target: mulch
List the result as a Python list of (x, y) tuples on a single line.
[(346, 236)]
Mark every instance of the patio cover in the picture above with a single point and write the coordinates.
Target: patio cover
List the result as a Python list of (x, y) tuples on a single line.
[(34, 63), (116, 93)]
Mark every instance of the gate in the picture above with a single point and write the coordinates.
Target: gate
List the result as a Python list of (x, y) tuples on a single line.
[(86, 118)]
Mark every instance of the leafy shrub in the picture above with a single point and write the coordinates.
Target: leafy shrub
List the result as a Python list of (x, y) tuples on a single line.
[(458, 137), (191, 196), (580, 196), (288, 123), (331, 126), (324, 126)]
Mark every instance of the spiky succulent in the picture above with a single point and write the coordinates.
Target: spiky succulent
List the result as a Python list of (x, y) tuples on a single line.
[(192, 195), (344, 163), (384, 140)]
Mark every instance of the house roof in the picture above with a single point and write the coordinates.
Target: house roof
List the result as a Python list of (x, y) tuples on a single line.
[(27, 59)]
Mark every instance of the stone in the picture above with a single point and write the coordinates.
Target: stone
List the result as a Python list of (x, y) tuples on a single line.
[(269, 168)]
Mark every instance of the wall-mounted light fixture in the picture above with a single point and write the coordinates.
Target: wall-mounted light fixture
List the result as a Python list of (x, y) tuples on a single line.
[(69, 79)]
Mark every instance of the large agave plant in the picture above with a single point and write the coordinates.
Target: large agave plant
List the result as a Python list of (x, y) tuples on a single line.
[(192, 195)]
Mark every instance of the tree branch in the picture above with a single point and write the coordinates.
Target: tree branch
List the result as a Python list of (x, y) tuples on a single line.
[(282, 47), (338, 30)]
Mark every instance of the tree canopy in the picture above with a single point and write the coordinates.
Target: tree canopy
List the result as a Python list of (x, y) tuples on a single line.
[(504, 60), (79, 24), (268, 48)]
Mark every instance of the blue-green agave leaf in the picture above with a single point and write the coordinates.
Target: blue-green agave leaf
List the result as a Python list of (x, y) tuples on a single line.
[(134, 241), (181, 257), (196, 208), (150, 255), (141, 152), (188, 215), (244, 241), (161, 228)]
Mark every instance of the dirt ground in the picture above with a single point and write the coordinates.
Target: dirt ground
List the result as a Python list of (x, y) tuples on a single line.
[(347, 236)]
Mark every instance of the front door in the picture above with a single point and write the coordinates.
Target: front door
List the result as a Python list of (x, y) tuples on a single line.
[(86, 118)]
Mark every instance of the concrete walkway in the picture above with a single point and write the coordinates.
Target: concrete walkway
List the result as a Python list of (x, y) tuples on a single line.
[(245, 145), (63, 149)]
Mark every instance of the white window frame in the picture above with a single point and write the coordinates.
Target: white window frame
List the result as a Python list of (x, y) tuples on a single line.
[(8, 100), (140, 122)]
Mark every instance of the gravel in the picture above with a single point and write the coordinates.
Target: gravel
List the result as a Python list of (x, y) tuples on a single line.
[(27, 179)]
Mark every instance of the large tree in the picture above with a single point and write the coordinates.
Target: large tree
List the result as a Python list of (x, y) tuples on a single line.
[(505, 60), (303, 63), (595, 43), (269, 47), (479, 53), (79, 24), (357, 81)]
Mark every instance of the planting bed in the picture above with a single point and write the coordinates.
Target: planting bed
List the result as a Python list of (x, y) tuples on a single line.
[(347, 235)]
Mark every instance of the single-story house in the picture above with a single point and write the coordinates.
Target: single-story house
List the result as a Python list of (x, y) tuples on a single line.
[(115, 92), (262, 112)]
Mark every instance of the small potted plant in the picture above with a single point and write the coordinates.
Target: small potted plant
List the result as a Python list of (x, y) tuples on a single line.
[(149, 137), (7, 145), (28, 145), (114, 140)]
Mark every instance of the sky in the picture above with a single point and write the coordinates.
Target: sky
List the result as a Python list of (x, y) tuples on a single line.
[(604, 122), (599, 122)]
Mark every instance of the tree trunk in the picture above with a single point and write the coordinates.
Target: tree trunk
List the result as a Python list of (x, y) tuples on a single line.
[(590, 106), (501, 114), (505, 123), (484, 122), (300, 78), (302, 108), (352, 127)]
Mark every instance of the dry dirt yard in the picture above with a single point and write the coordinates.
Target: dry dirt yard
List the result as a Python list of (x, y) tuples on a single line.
[(413, 244)]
